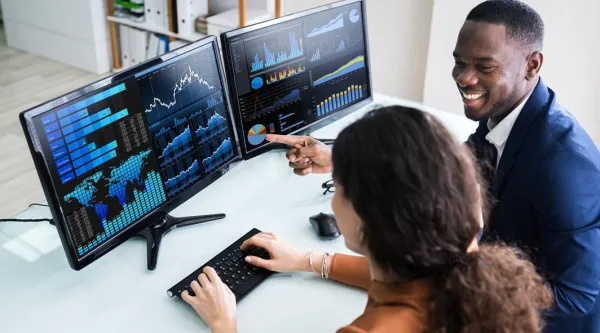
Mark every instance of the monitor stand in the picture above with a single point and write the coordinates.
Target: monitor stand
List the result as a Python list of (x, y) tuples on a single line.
[(165, 223)]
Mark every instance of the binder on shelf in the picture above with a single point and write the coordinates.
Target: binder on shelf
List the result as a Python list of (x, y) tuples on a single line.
[(160, 14), (124, 45), (187, 12), (163, 44), (152, 50), (150, 7), (131, 9), (138, 41)]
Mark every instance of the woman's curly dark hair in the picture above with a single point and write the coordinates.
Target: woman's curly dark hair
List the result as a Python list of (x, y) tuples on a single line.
[(418, 193)]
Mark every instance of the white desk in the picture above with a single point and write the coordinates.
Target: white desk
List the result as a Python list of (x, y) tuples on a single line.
[(40, 293)]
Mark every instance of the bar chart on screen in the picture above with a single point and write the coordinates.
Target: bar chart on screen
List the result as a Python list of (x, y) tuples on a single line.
[(339, 100)]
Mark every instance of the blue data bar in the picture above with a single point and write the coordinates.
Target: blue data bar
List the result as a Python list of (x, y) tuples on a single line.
[(51, 127), (64, 170), (80, 152), (91, 100), (57, 144), (96, 126), (59, 153), (74, 117), (61, 162), (95, 154), (86, 121), (54, 136), (68, 177), (96, 163), (76, 145), (48, 119)]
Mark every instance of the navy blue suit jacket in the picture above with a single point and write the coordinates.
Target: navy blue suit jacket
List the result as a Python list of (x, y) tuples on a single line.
[(547, 193)]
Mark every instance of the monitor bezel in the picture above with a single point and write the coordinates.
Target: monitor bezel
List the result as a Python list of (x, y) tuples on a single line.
[(48, 185), (307, 130)]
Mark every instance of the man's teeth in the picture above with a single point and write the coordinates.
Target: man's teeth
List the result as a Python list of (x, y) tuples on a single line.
[(472, 96)]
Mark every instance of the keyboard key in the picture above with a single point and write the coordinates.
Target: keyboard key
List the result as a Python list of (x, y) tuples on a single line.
[(234, 276), (227, 281), (249, 284), (232, 287), (244, 278), (239, 283), (239, 272)]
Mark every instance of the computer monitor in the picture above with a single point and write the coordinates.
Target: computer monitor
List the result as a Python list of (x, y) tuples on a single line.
[(298, 73), (115, 156)]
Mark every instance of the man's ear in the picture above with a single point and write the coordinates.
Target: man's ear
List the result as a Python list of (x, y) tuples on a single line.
[(534, 64)]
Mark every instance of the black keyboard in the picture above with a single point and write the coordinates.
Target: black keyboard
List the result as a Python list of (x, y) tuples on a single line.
[(239, 276)]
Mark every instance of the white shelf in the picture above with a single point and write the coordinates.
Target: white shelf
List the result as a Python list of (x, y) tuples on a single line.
[(159, 30)]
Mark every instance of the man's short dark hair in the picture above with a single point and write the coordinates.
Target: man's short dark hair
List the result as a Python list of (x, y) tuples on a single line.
[(523, 24)]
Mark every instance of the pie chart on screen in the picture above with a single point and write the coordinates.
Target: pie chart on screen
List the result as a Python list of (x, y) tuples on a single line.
[(257, 134)]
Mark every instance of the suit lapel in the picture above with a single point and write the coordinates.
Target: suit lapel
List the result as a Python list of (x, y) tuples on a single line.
[(539, 100)]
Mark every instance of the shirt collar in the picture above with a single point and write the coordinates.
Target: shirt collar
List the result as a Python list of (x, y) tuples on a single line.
[(499, 132)]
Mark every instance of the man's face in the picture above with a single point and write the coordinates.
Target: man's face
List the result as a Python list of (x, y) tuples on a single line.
[(489, 71)]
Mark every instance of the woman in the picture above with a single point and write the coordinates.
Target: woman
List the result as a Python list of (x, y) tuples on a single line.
[(407, 200)]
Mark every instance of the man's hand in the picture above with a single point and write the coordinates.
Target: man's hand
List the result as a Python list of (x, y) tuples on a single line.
[(214, 302), (306, 155)]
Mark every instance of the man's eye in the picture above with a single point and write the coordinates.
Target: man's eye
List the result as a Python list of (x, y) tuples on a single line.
[(459, 63), (485, 68)]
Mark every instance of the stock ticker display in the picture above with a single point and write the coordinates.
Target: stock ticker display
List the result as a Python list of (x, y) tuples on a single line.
[(119, 153), (292, 74)]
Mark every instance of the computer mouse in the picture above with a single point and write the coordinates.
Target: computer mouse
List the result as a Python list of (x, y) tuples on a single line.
[(325, 226)]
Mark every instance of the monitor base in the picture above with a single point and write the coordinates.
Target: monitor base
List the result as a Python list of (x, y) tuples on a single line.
[(165, 223)]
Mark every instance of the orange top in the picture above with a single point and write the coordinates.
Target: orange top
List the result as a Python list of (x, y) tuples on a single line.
[(398, 308)]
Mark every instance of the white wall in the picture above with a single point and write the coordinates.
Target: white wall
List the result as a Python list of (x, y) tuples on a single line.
[(398, 38), (570, 64), (73, 32)]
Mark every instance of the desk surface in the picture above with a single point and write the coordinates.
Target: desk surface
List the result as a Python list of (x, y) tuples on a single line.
[(40, 293)]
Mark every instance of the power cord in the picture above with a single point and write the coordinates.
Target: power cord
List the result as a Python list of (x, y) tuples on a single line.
[(30, 220)]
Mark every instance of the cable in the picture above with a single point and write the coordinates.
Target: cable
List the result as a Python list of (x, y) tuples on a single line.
[(30, 220), (27, 220)]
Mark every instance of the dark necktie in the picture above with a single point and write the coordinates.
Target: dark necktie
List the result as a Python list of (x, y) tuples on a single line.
[(487, 160)]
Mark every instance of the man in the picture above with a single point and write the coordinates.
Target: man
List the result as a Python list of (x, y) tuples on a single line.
[(545, 169)]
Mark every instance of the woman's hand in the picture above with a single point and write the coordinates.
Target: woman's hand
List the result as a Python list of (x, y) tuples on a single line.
[(284, 257), (214, 302)]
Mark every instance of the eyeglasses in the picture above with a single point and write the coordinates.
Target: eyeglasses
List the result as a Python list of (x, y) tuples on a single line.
[(328, 186)]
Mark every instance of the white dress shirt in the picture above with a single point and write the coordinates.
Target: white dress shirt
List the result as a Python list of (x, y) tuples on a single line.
[(499, 132)]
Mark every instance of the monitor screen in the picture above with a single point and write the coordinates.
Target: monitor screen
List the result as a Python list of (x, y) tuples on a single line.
[(117, 153), (289, 74)]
